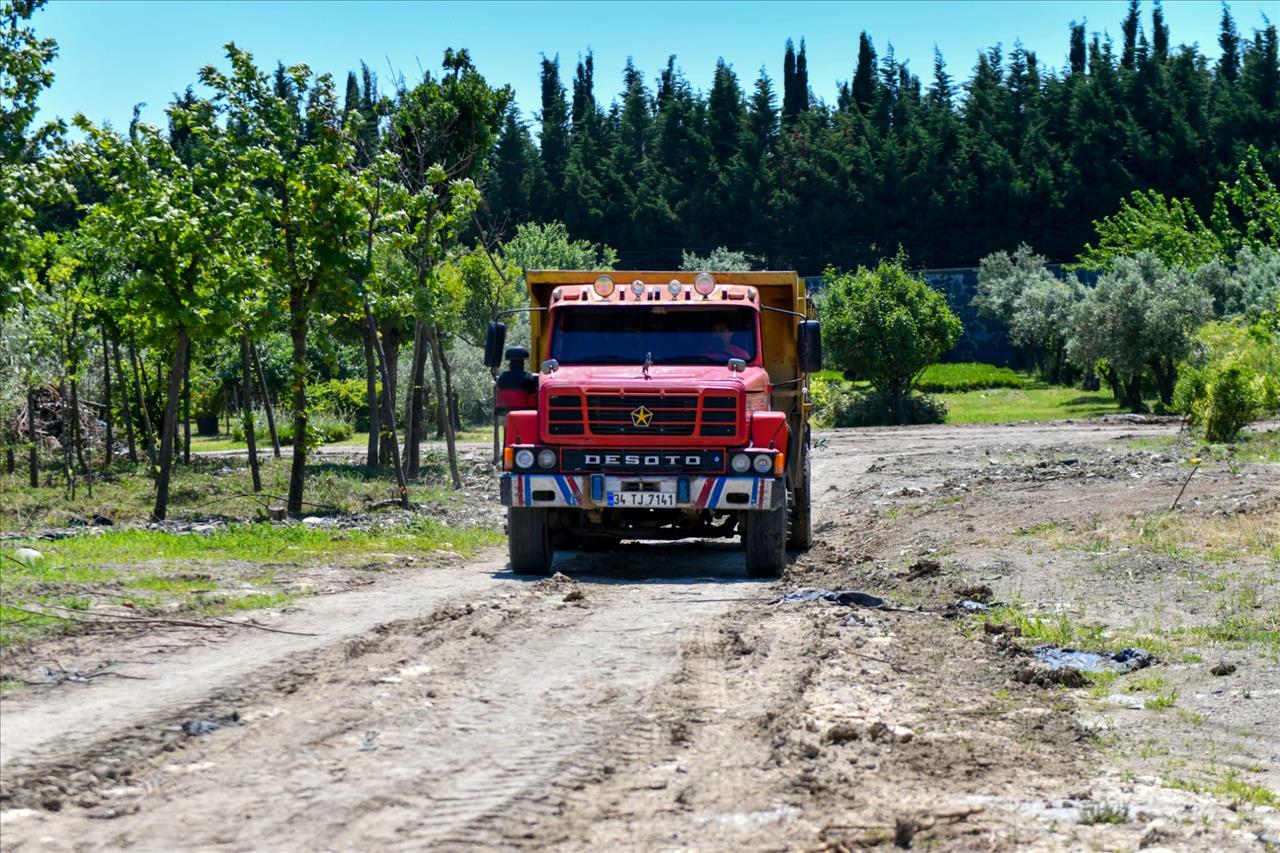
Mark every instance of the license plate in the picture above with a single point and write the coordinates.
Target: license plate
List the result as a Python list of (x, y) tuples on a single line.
[(642, 499)]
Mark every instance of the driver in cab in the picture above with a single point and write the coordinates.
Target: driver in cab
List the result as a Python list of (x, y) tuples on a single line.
[(722, 343)]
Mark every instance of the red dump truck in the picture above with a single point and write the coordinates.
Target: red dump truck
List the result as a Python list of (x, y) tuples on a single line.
[(665, 405)]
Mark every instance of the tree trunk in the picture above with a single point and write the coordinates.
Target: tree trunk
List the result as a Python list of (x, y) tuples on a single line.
[(388, 410), (413, 405), (169, 427), (68, 470), (1166, 377), (33, 452), (450, 395), (298, 332), (246, 411), (109, 417), (1133, 393), (186, 412), (125, 410), (389, 344), (371, 391), (148, 439), (77, 430), (441, 404), (267, 403)]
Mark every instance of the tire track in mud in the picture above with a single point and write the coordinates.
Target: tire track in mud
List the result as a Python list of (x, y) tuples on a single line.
[(463, 728)]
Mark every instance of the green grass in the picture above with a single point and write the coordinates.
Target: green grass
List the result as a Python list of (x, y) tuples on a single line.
[(1058, 631), (210, 487), (1104, 813), (1034, 402), (967, 376), (87, 559), (1232, 787), (231, 569), (478, 435)]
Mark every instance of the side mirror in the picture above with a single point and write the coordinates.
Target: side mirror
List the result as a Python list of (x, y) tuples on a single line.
[(495, 337), (810, 339)]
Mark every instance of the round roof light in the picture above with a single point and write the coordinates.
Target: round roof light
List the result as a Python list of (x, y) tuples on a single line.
[(673, 287), (704, 283), (604, 286), (637, 287)]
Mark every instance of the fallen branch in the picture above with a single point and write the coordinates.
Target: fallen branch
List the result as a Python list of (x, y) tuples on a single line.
[(384, 504), (1185, 482), (263, 628), (156, 620)]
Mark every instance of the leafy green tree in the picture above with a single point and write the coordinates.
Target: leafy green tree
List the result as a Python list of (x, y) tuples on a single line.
[(550, 247), (886, 325), (301, 156), (1169, 228), (1141, 316), (177, 221), (720, 258), (441, 133), (24, 74)]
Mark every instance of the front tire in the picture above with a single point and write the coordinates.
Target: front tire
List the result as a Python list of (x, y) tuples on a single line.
[(766, 537), (529, 541)]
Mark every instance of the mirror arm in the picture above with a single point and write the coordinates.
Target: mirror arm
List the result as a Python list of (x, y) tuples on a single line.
[(505, 312)]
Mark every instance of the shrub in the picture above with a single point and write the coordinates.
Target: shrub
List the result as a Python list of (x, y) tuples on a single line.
[(885, 325), (838, 404), (322, 428), (1232, 377), (346, 399), (1230, 402), (966, 376)]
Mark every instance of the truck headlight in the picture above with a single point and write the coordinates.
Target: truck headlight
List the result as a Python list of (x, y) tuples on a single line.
[(524, 458), (740, 463), (546, 458), (762, 463)]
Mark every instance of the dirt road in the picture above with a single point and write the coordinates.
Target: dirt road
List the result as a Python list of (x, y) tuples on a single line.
[(654, 698)]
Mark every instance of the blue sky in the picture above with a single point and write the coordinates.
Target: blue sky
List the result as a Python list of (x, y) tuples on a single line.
[(115, 54)]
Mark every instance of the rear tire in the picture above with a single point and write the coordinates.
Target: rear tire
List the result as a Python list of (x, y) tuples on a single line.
[(766, 537), (800, 532), (529, 541)]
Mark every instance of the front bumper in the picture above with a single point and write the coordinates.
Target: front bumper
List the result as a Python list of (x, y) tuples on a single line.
[(591, 491)]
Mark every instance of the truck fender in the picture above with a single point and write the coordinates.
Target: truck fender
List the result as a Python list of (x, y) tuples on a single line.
[(769, 429), (522, 427)]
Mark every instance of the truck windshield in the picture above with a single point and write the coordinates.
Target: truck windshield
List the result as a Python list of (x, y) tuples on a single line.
[(666, 334)]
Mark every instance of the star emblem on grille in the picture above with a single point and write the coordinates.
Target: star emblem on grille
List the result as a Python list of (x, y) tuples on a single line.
[(641, 416)]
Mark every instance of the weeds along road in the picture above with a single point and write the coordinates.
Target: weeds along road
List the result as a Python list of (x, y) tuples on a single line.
[(655, 698)]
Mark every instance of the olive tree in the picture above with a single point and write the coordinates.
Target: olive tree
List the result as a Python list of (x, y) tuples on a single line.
[(886, 325), (1141, 316), (1033, 303)]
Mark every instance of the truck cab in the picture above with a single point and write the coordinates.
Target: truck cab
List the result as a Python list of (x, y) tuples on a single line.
[(666, 405)]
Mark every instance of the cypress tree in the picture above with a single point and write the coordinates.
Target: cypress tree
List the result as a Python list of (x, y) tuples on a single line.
[(789, 83), (863, 90), (802, 80), (1130, 30), (1159, 33), (725, 112), (1077, 54), (510, 179), (1229, 41), (553, 139)]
